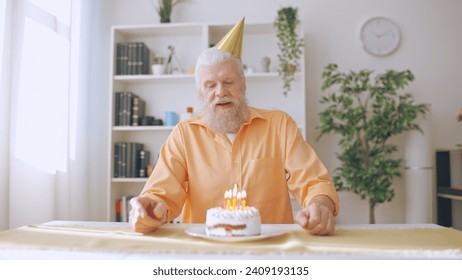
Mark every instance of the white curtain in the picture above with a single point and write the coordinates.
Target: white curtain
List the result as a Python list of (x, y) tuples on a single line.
[(5, 12), (44, 62)]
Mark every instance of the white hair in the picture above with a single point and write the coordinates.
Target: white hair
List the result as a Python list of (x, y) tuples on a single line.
[(214, 56)]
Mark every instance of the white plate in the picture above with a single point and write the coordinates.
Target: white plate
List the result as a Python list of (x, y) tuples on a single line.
[(267, 231)]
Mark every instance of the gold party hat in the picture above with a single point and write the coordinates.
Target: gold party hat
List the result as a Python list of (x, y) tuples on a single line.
[(232, 41)]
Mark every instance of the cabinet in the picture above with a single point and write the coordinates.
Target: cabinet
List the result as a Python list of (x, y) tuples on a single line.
[(176, 92), (449, 187)]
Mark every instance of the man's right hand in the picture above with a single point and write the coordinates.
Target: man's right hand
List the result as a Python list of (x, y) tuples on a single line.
[(146, 214)]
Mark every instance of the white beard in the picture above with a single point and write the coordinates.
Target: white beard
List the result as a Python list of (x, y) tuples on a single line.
[(225, 121)]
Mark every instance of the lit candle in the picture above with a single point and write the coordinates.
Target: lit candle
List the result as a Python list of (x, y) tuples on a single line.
[(228, 201), (234, 196), (243, 196), (238, 200), (224, 200)]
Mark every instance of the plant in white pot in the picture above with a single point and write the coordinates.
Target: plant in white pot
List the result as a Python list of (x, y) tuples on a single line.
[(165, 8)]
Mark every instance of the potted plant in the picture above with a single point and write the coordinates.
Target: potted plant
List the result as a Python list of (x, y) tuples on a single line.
[(165, 8), (289, 43), (366, 112)]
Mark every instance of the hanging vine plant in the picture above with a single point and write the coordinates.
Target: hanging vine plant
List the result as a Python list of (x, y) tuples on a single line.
[(290, 45)]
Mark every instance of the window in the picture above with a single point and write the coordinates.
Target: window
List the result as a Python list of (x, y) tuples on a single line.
[(43, 78)]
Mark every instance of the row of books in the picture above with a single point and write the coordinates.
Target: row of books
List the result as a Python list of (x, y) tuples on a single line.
[(129, 109), (130, 160), (122, 208), (132, 58)]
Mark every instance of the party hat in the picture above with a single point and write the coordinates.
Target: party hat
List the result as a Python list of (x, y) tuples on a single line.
[(232, 41)]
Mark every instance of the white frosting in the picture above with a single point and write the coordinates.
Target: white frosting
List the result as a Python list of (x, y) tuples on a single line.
[(222, 222)]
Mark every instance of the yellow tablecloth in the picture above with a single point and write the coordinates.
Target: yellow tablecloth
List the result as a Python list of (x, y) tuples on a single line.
[(437, 242)]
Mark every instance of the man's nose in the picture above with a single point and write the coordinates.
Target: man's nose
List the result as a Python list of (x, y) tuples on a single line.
[(220, 90)]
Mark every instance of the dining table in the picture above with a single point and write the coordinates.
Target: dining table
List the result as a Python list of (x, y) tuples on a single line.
[(118, 241)]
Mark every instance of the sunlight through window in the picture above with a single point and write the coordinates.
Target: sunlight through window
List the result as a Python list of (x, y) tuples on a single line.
[(43, 100)]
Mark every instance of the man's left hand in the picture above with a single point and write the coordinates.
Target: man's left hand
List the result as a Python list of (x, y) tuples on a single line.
[(318, 217)]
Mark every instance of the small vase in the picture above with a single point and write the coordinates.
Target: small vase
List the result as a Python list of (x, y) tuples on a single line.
[(164, 20), (265, 64)]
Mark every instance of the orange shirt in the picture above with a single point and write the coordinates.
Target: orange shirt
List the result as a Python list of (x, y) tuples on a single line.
[(269, 158)]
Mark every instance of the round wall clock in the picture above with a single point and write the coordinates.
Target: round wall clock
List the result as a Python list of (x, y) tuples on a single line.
[(380, 36)]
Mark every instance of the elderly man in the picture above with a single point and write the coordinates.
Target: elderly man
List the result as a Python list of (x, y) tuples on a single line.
[(261, 151)]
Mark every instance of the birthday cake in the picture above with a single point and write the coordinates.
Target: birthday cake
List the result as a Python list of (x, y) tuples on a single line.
[(235, 218)]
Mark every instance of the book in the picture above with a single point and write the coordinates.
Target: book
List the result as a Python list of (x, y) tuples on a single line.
[(132, 58), (123, 108), (118, 58), (144, 158), (129, 160), (133, 159), (125, 208), (121, 58), (117, 108), (137, 113), (138, 60), (118, 211), (117, 160), (143, 59), (129, 109), (123, 160)]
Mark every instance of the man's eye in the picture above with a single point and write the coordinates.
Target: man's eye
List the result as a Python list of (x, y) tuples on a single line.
[(209, 85)]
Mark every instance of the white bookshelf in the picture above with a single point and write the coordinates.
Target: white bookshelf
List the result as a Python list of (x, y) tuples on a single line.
[(176, 92)]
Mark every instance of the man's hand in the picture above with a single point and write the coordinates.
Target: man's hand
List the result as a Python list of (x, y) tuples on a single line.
[(318, 218), (146, 214)]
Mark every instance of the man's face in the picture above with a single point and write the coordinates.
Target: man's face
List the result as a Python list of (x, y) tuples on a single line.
[(222, 92), (221, 85)]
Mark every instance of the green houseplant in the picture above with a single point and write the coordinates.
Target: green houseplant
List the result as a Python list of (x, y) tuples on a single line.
[(289, 43), (367, 112)]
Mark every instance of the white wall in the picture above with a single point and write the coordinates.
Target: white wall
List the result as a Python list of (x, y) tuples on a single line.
[(430, 48), (98, 26)]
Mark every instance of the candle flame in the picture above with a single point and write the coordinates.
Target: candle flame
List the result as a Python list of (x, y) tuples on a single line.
[(234, 199)]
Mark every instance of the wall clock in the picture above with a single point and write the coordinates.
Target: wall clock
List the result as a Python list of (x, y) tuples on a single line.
[(380, 36)]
